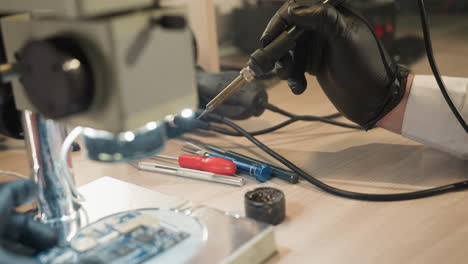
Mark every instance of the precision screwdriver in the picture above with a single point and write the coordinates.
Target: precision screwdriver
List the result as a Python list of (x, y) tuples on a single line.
[(208, 164), (276, 171), (261, 62), (261, 172), (193, 174)]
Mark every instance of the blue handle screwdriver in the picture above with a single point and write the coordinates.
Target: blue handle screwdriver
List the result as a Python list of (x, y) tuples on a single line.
[(261, 172)]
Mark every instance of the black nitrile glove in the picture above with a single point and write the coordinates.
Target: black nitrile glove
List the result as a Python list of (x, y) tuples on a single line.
[(358, 77), (20, 230), (245, 103)]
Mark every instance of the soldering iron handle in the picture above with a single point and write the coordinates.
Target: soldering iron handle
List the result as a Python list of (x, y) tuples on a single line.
[(263, 60)]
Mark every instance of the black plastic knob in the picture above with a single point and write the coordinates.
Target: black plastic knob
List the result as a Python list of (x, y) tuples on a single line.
[(56, 76), (265, 204)]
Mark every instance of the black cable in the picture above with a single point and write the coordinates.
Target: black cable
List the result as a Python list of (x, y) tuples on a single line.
[(292, 119), (324, 119), (278, 110), (435, 69), (333, 116), (255, 133), (339, 192), (286, 123)]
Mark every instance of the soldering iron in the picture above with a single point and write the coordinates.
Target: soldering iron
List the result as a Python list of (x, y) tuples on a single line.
[(261, 62)]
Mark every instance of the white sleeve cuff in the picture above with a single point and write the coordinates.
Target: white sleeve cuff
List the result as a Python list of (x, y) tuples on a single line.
[(429, 120)]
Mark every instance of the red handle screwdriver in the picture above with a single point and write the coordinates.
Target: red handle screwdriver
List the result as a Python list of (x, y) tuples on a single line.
[(209, 164)]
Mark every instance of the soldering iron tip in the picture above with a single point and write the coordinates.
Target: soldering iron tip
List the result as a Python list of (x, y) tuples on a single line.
[(202, 114)]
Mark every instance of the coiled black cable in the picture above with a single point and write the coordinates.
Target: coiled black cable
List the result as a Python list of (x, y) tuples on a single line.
[(340, 192)]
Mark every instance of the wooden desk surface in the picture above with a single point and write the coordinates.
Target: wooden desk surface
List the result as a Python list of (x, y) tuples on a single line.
[(321, 228)]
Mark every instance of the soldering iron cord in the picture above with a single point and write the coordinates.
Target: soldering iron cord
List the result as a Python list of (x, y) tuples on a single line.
[(281, 111), (284, 124), (433, 64), (292, 119), (340, 192)]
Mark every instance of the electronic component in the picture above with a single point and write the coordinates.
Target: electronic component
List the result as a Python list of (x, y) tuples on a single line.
[(195, 235), (131, 237), (84, 244), (132, 224)]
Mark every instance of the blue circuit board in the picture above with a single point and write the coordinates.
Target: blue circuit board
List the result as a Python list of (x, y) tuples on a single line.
[(128, 238)]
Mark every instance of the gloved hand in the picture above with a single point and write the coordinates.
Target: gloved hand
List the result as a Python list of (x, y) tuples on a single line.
[(246, 102), (358, 76), (20, 230)]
